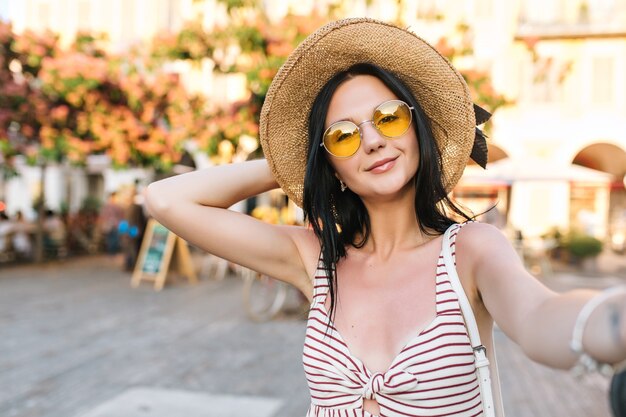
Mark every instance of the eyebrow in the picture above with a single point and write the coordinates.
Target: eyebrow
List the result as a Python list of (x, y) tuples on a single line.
[(349, 119), (346, 119)]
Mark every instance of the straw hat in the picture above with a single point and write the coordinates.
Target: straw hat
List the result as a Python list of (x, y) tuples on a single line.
[(438, 87)]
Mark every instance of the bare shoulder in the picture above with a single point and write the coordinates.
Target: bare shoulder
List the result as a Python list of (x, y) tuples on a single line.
[(476, 238), (495, 267), (484, 248), (483, 252)]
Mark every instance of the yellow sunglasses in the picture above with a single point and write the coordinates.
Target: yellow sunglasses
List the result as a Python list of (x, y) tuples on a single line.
[(391, 118)]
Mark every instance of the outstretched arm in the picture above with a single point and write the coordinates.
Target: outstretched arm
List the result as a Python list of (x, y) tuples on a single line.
[(195, 207), (538, 319)]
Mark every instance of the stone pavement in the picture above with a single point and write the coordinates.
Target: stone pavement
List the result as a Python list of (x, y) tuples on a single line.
[(150, 402), (77, 341)]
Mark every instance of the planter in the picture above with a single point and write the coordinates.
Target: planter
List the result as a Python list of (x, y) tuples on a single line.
[(589, 265)]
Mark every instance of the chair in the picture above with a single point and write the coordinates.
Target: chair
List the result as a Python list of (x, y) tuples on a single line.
[(8, 253)]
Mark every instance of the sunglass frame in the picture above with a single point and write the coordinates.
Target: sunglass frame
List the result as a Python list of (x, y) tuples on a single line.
[(358, 127)]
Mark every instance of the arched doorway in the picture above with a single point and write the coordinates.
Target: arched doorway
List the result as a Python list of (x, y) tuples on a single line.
[(494, 153), (609, 201), (605, 157)]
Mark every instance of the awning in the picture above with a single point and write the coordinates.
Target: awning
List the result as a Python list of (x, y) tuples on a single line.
[(507, 171)]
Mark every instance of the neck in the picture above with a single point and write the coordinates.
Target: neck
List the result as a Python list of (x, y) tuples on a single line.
[(393, 225)]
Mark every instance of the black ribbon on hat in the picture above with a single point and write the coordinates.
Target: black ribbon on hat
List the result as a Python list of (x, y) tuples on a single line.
[(479, 150)]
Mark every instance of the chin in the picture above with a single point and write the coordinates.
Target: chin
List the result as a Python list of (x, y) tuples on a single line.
[(388, 189)]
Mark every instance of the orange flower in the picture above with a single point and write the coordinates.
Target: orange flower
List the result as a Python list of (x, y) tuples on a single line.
[(149, 148), (60, 113)]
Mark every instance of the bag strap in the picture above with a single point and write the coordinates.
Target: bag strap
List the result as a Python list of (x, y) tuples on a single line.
[(466, 308), (480, 353)]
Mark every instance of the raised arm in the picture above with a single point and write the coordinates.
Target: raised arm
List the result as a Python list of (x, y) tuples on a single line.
[(195, 207), (538, 319)]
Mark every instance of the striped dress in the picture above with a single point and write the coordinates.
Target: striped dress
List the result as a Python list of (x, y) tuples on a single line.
[(433, 375)]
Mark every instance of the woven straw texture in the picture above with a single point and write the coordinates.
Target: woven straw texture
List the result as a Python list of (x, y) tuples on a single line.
[(437, 86)]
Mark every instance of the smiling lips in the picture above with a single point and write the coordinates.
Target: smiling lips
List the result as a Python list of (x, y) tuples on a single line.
[(383, 165)]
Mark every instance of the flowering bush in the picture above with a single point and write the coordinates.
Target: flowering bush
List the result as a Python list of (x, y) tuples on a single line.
[(67, 104), (31, 48), (21, 101), (107, 106), (192, 42), (248, 44)]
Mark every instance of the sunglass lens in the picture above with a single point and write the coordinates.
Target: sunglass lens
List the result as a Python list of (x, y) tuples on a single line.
[(392, 118), (342, 139)]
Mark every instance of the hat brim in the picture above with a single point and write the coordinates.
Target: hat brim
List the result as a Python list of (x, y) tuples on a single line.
[(438, 87)]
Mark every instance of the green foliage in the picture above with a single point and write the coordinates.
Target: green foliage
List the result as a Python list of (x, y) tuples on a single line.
[(192, 43), (249, 38), (88, 43), (8, 152), (91, 204), (582, 246), (238, 4)]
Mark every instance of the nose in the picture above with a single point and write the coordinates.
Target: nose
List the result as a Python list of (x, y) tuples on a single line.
[(371, 139)]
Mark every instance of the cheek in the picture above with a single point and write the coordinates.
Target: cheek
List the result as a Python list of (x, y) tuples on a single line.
[(417, 157), (413, 154), (340, 167), (346, 169)]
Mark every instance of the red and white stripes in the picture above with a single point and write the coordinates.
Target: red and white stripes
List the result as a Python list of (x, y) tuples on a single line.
[(433, 376)]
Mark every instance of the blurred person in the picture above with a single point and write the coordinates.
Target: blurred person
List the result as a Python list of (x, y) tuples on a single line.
[(6, 232), (132, 227), (368, 128), (54, 234), (139, 214), (110, 217), (22, 243)]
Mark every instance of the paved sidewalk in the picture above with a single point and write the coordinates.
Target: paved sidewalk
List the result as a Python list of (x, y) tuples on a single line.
[(75, 339)]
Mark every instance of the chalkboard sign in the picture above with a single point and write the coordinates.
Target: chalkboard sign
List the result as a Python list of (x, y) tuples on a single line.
[(153, 262), (154, 256)]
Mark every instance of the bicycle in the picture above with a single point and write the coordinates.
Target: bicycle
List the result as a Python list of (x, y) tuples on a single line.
[(263, 297)]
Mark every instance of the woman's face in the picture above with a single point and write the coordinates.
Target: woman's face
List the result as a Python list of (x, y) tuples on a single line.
[(355, 100)]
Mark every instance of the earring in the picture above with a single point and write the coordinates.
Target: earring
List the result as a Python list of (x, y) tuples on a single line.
[(343, 186)]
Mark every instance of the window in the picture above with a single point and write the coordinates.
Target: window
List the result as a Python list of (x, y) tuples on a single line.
[(174, 17), (547, 77), (484, 8), (542, 11), (43, 16), (602, 11), (430, 9), (84, 15), (603, 69), (128, 21)]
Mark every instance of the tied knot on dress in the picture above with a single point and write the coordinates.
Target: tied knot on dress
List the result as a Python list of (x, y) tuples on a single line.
[(390, 382)]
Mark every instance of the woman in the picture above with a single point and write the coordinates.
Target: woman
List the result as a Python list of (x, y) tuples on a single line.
[(368, 128)]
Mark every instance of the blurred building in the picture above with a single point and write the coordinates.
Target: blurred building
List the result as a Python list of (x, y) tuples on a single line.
[(126, 22), (557, 154), (563, 63)]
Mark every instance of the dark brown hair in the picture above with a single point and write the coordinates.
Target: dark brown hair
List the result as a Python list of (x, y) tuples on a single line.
[(325, 205)]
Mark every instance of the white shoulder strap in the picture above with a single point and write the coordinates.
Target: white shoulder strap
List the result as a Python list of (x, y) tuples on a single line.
[(480, 353), (466, 308)]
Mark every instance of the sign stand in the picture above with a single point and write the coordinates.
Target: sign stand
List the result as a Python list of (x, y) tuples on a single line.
[(155, 257)]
